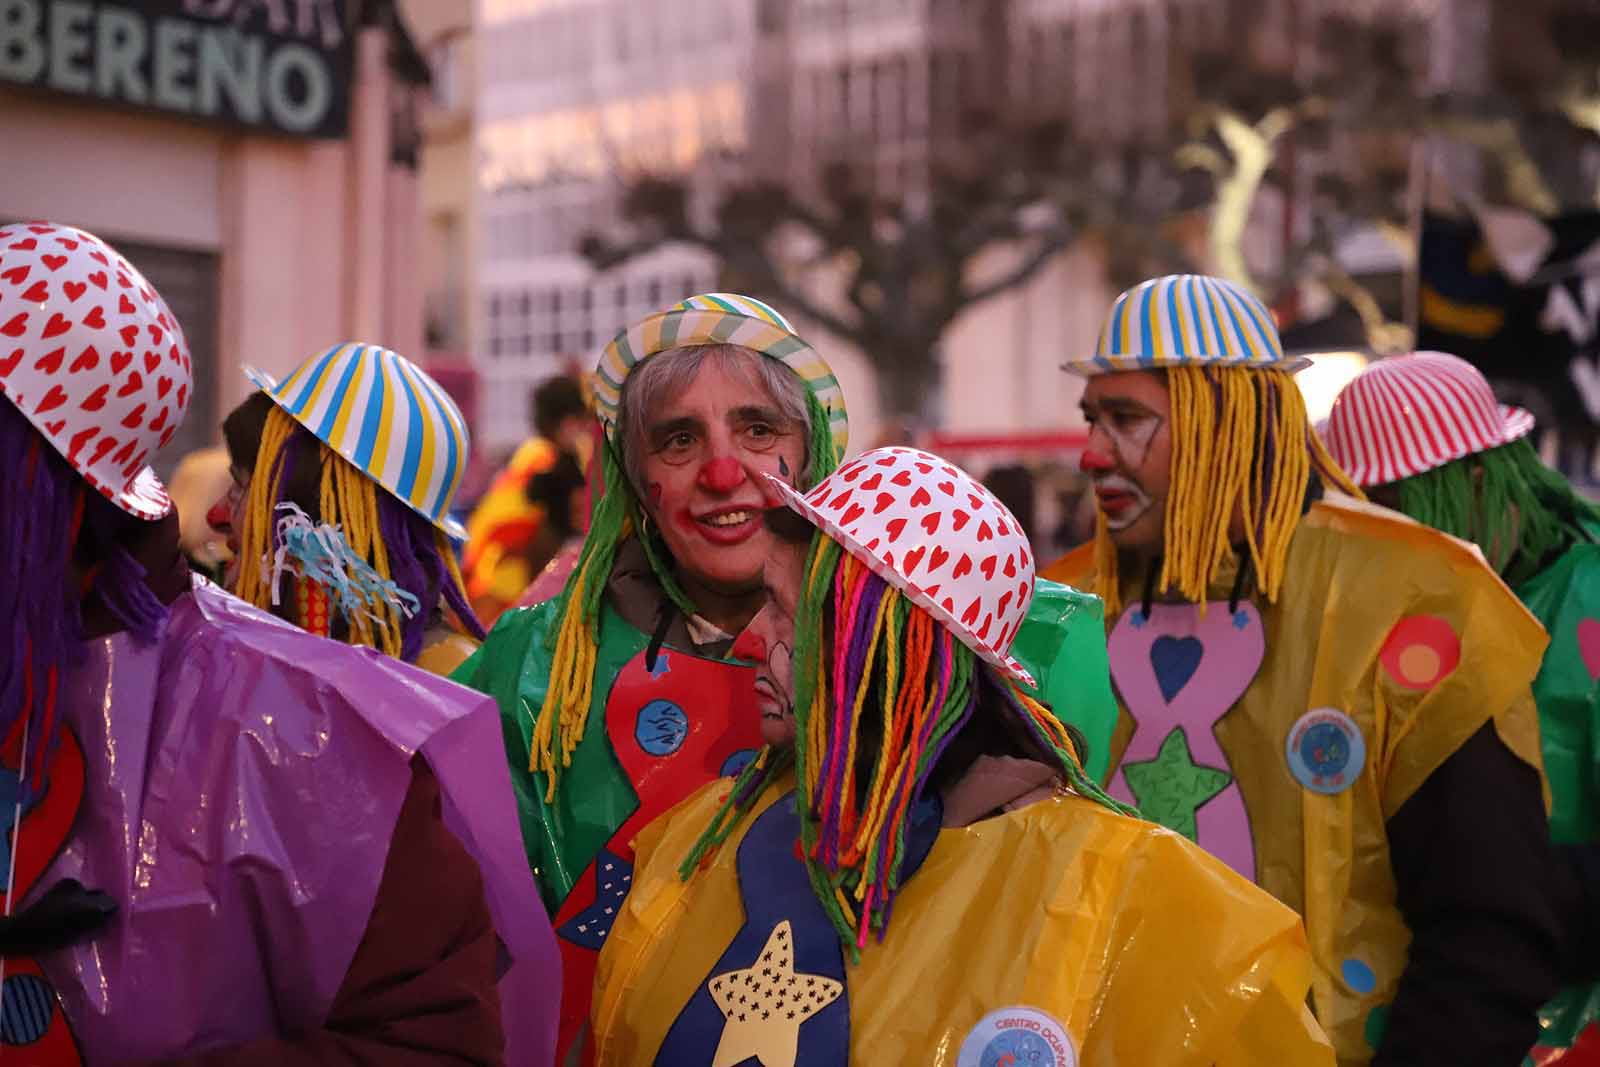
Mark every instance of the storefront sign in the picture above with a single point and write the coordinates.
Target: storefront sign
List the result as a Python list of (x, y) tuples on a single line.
[(278, 65)]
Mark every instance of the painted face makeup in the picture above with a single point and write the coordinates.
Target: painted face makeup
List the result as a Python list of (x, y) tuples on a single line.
[(1129, 454), (708, 450)]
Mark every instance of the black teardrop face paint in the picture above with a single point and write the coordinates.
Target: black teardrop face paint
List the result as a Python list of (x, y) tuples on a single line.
[(783, 466)]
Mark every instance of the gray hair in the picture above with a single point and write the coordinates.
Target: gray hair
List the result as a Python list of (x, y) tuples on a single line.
[(663, 378)]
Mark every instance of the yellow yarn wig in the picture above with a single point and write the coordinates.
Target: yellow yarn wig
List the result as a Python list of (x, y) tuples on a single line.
[(1242, 448)]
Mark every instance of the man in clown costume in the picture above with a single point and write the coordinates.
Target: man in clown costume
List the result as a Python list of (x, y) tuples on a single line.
[(339, 514), (1331, 699), (622, 696), (229, 842), (916, 869), (1423, 434)]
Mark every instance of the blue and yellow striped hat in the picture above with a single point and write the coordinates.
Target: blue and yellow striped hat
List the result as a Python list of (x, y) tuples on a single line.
[(717, 318), (378, 410), (1186, 318)]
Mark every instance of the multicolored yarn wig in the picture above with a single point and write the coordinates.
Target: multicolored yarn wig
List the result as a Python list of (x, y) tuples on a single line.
[(1520, 512), (402, 548), (615, 515), (881, 692), (1241, 445), (53, 520)]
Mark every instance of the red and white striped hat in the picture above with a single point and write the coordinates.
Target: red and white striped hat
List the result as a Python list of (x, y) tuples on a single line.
[(1409, 414)]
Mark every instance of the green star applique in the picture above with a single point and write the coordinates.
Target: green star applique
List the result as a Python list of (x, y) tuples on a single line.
[(1172, 787)]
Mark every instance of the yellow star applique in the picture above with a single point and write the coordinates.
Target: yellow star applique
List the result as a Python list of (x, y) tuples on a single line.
[(765, 1003)]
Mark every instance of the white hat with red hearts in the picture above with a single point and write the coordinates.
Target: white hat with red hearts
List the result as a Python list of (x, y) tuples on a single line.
[(1409, 414), (936, 534), (93, 357)]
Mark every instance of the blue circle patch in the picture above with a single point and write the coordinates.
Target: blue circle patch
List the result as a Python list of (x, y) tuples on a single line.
[(661, 728), (735, 764), (1325, 751), (1017, 1048), (1358, 976)]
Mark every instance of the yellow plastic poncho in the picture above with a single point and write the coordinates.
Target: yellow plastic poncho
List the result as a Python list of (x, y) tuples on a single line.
[(1358, 578), (1135, 943)]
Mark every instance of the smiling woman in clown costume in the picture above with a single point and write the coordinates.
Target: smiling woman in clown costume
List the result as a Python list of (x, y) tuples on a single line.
[(623, 695), (916, 869)]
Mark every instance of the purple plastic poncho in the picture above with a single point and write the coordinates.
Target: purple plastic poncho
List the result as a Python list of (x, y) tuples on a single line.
[(243, 781)]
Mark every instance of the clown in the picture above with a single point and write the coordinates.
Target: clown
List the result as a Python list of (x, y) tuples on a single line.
[(339, 515), (916, 869), (1423, 434), (1332, 700), (293, 852), (622, 696)]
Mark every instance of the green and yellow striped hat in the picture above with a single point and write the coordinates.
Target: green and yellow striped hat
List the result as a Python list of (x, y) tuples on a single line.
[(717, 318)]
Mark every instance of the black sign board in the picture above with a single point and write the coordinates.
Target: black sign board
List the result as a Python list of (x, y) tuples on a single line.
[(276, 65)]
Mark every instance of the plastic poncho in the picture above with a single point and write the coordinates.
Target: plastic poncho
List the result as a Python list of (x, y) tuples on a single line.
[(243, 782), (661, 711), (1390, 645), (1056, 934)]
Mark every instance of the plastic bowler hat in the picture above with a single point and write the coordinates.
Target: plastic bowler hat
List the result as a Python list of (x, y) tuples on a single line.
[(1186, 319), (936, 534), (382, 413), (1402, 416), (94, 358), (717, 318)]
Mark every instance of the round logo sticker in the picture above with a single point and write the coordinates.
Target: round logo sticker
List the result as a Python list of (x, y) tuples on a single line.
[(1325, 751), (1017, 1037)]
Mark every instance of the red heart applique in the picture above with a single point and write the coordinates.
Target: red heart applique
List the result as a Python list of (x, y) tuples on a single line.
[(903, 478), (41, 228), (925, 468), (124, 305), (983, 631), (100, 258), (921, 499), (17, 275), (1011, 568), (839, 501), (106, 445), (98, 278), (17, 324), (73, 290), (68, 243), (987, 567), (959, 518), (130, 335), (37, 293), (88, 359), (125, 452), (133, 419), (52, 400), (852, 473), (55, 263), (873, 482), (936, 560), (120, 360), (155, 334), (138, 461), (930, 521), (80, 439), (1004, 601), (183, 391), (855, 512), (885, 500), (50, 362), (895, 528), (27, 244), (166, 435), (887, 461), (95, 400), (152, 360), (949, 605), (164, 383), (1000, 524), (122, 280), (159, 421), (9, 364), (96, 318), (872, 544), (134, 383), (932, 591), (172, 354), (976, 501), (984, 533), (970, 616), (913, 558), (947, 488), (58, 325), (54, 428), (963, 566)]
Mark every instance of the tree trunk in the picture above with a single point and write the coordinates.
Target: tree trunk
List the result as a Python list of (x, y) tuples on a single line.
[(908, 378)]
